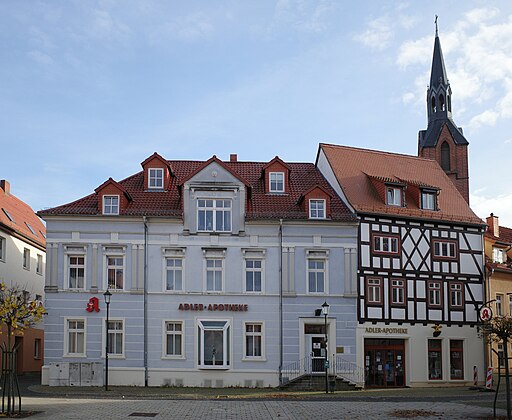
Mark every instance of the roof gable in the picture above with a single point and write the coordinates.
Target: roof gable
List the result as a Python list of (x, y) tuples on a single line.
[(216, 160)]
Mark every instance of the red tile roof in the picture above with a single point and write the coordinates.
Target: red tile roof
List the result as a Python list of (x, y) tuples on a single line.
[(303, 176), (23, 217), (505, 235), (354, 168)]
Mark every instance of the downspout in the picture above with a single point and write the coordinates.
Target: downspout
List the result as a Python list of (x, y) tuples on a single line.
[(280, 301), (144, 220)]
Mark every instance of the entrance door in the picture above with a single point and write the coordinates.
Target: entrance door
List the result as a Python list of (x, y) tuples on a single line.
[(384, 363), (317, 353)]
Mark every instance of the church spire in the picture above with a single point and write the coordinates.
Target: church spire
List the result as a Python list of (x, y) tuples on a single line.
[(443, 141), (439, 92)]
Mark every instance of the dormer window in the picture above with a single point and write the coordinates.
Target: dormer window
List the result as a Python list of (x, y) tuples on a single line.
[(276, 182), (394, 196), (499, 255), (156, 178), (111, 204), (428, 200), (317, 209)]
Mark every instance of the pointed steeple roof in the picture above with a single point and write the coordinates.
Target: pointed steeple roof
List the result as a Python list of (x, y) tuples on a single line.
[(438, 73)]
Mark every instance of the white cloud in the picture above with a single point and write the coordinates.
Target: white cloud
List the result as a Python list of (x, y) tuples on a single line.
[(104, 25), (408, 97), (41, 58), (302, 16), (477, 16), (192, 27), (378, 34), (485, 118), (415, 52), (501, 206)]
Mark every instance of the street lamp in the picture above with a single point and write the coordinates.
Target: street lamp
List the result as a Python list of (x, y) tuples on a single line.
[(325, 312), (107, 295)]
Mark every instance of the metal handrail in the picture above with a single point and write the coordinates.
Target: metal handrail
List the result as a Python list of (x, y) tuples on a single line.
[(296, 369), (348, 371)]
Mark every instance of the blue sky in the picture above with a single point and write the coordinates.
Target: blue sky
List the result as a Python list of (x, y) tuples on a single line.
[(91, 88)]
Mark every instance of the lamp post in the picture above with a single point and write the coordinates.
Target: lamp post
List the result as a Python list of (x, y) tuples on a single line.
[(107, 295), (325, 311)]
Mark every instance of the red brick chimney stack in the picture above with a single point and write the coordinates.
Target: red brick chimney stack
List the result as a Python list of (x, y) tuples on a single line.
[(494, 226), (4, 185), (233, 157)]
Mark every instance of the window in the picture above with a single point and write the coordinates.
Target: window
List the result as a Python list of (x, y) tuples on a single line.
[(115, 338), (37, 348), (499, 255), (31, 229), (276, 182), (115, 272), (445, 249), (394, 196), (39, 264), (8, 215), (501, 355), (445, 156), (428, 200), (3, 246), (26, 259), (253, 275), (317, 209), (374, 291), (434, 294), (435, 360), (456, 297), (213, 344), (214, 272), (316, 275), (156, 178), (510, 305), (75, 335), (253, 340), (214, 215), (499, 304), (398, 292), (174, 274), (76, 271), (385, 244), (173, 338), (456, 359), (110, 204)]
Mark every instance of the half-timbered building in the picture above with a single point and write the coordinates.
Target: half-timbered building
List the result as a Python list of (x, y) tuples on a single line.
[(420, 262)]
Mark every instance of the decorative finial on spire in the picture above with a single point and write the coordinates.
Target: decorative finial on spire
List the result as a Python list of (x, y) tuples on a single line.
[(436, 24)]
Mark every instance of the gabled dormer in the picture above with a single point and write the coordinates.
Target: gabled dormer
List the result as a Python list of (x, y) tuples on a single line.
[(157, 173), (316, 203), (276, 175), (424, 196), (113, 198), (390, 190)]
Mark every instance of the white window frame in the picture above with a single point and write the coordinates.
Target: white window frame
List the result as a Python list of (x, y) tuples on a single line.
[(174, 269), (444, 249), (215, 209), (3, 250), (39, 264), (214, 269), (69, 266), (510, 305), (498, 255), (428, 200), (316, 212), (113, 252), (253, 270), (382, 240), (103, 338), (499, 304), (394, 196), (274, 182), (260, 334), (434, 289), (398, 286), (113, 209), (227, 341), (374, 284), (26, 259), (155, 175), (165, 333), (315, 271), (457, 290), (66, 336)]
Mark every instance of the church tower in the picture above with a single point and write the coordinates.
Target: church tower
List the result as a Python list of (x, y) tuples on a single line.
[(443, 141)]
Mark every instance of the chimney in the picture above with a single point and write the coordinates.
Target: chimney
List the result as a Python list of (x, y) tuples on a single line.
[(5, 186), (494, 226), (233, 157)]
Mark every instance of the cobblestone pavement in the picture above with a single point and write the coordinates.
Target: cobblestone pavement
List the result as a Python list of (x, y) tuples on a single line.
[(68, 409)]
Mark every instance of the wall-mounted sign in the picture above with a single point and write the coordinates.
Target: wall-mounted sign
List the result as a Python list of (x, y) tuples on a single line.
[(376, 330), (485, 313), (93, 305), (226, 307)]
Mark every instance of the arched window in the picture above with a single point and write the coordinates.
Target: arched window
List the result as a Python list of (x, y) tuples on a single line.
[(445, 156), (433, 104), (441, 102), (449, 102)]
